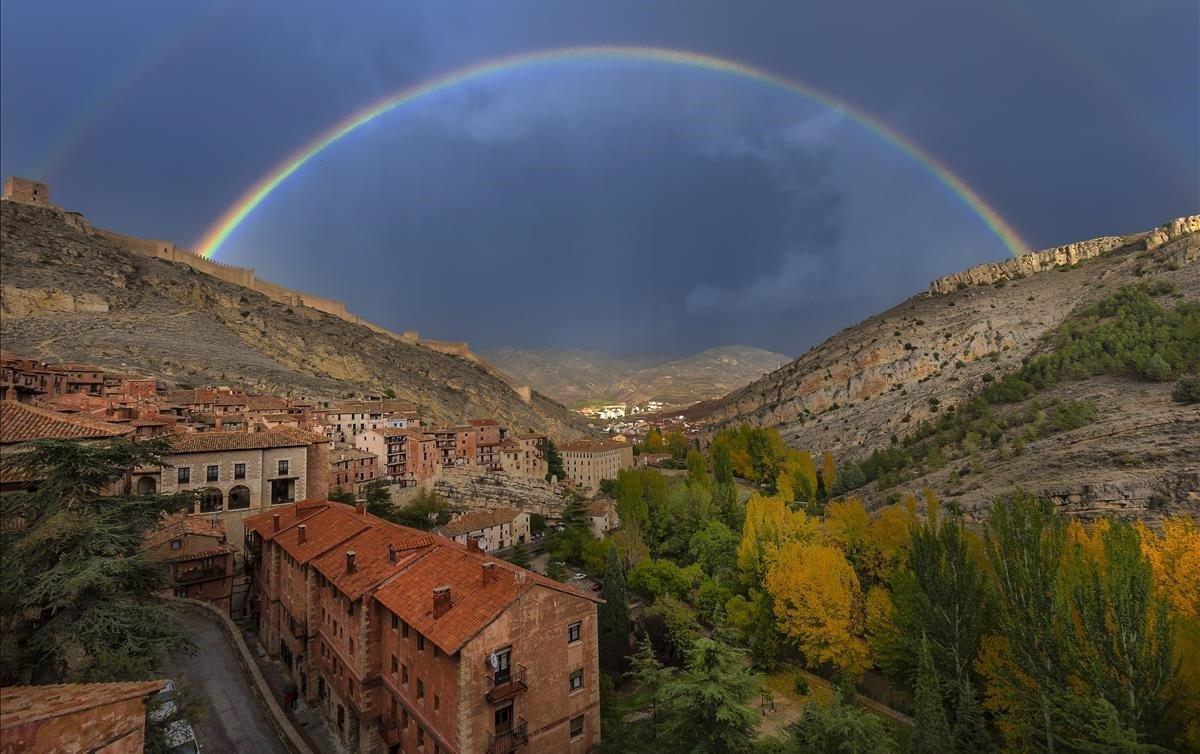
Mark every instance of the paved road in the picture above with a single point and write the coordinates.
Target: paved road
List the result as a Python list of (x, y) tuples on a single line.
[(234, 720)]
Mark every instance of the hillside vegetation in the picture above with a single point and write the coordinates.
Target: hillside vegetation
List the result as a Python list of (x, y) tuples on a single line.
[(70, 295)]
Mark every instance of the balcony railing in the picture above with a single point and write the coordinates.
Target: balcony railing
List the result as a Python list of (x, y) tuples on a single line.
[(503, 741), (199, 573), (506, 684)]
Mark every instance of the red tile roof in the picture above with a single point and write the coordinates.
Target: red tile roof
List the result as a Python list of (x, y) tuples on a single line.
[(263, 523), (179, 524), (25, 704), (476, 520), (208, 442), (592, 446), (328, 528), (21, 422), (372, 562)]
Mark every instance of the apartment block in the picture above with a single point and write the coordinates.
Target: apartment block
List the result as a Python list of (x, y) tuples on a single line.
[(351, 469), (410, 642), (407, 457), (588, 462)]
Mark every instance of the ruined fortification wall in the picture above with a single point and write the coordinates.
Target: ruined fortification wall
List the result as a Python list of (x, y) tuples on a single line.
[(243, 276)]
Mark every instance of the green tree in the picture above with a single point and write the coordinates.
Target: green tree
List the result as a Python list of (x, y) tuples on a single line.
[(426, 510), (705, 706), (678, 446), (339, 495), (1158, 369), (766, 641), (1187, 389), (722, 463), (931, 731), (613, 615), (697, 469), (519, 555), (649, 676), (379, 500), (843, 728), (970, 727), (554, 464), (79, 598), (556, 570), (715, 548)]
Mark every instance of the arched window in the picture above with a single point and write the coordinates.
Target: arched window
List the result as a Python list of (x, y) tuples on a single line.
[(239, 497), (146, 485), (211, 500)]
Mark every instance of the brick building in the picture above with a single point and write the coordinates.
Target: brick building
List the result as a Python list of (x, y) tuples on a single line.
[(107, 718), (351, 469), (346, 419), (238, 473), (200, 557), (588, 462), (409, 642), (491, 530), (408, 457)]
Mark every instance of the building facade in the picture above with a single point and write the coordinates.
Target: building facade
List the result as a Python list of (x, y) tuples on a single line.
[(410, 642), (352, 469), (106, 718), (588, 462), (490, 530)]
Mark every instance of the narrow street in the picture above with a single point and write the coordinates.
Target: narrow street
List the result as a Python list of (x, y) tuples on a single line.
[(233, 719)]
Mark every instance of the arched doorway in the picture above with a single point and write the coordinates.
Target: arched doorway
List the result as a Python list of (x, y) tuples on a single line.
[(146, 485), (211, 500), (239, 497)]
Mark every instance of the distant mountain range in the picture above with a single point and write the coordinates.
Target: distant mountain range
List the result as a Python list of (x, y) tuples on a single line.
[(574, 376)]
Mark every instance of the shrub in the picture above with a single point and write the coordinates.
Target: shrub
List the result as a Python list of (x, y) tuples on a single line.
[(1187, 389), (802, 687)]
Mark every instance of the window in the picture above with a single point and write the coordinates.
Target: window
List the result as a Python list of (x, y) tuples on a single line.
[(352, 646), (404, 629), (573, 632), (576, 682), (404, 674), (395, 665), (185, 474), (420, 690), (576, 726), (437, 701), (212, 473), (239, 471), (395, 622), (420, 643), (176, 544), (283, 467)]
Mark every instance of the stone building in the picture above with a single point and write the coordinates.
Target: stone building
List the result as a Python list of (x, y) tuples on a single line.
[(238, 473), (588, 462), (407, 641), (24, 190), (200, 557), (346, 419), (351, 469), (407, 457), (489, 530), (107, 718)]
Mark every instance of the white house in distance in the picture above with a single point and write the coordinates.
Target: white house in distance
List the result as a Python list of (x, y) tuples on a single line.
[(603, 517), (494, 529)]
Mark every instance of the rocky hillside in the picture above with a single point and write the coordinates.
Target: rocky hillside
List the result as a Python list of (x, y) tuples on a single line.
[(574, 376), (71, 295), (879, 379)]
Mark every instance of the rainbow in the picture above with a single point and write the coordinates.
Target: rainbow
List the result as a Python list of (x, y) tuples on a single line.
[(236, 214)]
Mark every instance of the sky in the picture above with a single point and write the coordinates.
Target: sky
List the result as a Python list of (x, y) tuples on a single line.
[(624, 205)]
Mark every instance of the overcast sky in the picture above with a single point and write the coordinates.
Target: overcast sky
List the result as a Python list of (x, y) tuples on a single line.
[(622, 205)]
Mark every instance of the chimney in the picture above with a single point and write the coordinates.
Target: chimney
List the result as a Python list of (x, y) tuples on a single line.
[(362, 509), (275, 521), (349, 561), (489, 573), (392, 553), (303, 530), (441, 601), (473, 544)]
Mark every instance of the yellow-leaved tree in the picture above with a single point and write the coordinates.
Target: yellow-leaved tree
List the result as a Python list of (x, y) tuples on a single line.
[(819, 604), (769, 524)]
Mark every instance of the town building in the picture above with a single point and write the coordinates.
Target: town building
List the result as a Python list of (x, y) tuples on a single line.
[(345, 419), (352, 469), (588, 462), (410, 642), (647, 460), (235, 474), (491, 530), (407, 457), (107, 718), (200, 557), (603, 517)]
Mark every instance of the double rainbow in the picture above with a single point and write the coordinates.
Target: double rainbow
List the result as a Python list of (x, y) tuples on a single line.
[(233, 217)]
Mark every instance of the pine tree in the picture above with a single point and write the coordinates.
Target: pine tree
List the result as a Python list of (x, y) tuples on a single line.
[(970, 728), (339, 495), (519, 555), (767, 640), (613, 614), (705, 707), (554, 464), (931, 732), (649, 675), (79, 598)]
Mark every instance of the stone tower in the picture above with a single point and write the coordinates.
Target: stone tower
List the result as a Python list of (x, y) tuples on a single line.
[(27, 191)]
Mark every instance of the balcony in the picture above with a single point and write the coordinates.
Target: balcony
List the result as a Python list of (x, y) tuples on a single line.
[(392, 735), (506, 684), (199, 573), (512, 739)]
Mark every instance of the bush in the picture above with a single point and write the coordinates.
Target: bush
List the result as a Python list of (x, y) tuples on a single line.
[(802, 687), (1187, 389)]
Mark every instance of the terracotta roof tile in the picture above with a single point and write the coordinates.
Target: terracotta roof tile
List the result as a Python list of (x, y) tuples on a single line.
[(372, 562), (207, 442), (207, 553), (476, 520), (179, 524), (328, 528), (20, 422), (263, 523), (25, 704), (593, 446)]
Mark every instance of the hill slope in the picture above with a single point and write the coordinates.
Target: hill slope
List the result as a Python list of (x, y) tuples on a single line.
[(880, 378), (572, 376), (71, 295)]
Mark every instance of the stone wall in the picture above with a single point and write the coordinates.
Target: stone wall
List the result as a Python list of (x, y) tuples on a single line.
[(476, 490)]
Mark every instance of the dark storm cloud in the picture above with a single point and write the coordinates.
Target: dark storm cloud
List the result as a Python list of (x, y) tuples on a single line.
[(617, 205)]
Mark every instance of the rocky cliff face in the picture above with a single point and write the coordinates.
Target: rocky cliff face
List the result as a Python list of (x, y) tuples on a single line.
[(70, 294), (474, 490), (881, 377)]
